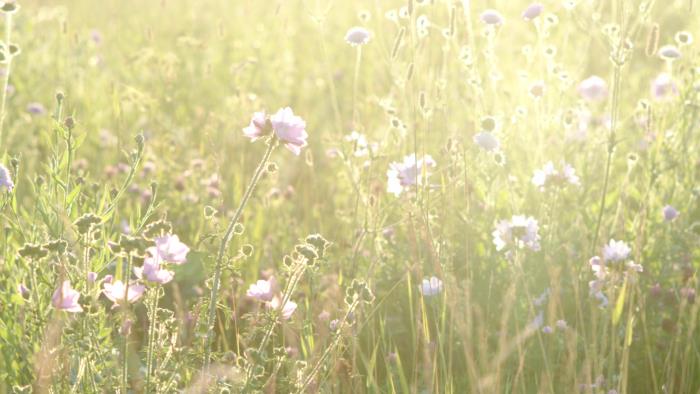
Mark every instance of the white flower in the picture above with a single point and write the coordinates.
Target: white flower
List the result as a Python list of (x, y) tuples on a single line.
[(357, 36), (616, 251), (431, 286), (403, 175), (486, 141), (361, 146), (549, 175), (520, 231)]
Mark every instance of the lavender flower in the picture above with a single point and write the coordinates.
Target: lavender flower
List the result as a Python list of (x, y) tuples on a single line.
[(663, 87), (65, 298), (593, 88), (5, 179), (36, 108), (152, 270), (431, 286), (520, 231), (670, 213), (616, 251), (486, 141), (411, 172), (532, 11), (669, 52), (492, 17), (357, 36)]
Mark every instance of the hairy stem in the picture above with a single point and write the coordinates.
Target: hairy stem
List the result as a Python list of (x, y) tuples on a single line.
[(222, 249)]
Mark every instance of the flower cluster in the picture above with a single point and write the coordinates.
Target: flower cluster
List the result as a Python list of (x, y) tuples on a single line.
[(168, 249), (5, 179), (607, 270)]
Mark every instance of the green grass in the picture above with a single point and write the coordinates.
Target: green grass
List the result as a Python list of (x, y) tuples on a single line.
[(157, 93)]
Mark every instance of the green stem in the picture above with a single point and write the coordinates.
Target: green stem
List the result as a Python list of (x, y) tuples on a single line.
[(125, 369), (151, 336), (222, 249), (6, 79)]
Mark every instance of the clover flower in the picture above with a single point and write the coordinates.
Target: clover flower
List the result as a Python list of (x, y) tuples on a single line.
[(520, 231), (409, 173), (65, 298)]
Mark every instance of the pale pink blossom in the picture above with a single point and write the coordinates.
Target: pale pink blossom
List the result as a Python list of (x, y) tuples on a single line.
[(65, 298), (116, 292), (593, 88), (262, 290), (409, 173), (290, 129), (256, 128), (170, 249), (286, 311), (153, 271)]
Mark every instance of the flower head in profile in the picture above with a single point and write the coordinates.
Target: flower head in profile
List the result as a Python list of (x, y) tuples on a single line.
[(519, 232), (669, 52), (663, 87), (532, 11), (65, 298), (357, 36), (153, 270), (170, 249), (551, 176), (5, 179), (257, 127), (616, 251), (409, 173), (286, 311), (117, 292), (593, 88), (431, 286), (290, 129), (262, 290), (670, 213), (492, 17)]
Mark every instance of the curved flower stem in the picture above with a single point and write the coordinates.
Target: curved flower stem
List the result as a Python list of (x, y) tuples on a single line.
[(151, 336), (125, 310), (222, 249)]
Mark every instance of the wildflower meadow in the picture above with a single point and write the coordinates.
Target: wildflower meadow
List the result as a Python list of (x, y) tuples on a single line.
[(371, 196)]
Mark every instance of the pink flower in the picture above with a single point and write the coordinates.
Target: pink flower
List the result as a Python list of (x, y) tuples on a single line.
[(286, 311), (116, 292), (290, 129), (171, 250), (532, 11), (256, 128), (410, 172), (65, 298), (357, 36), (261, 290), (593, 88), (152, 270), (5, 179), (491, 17)]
